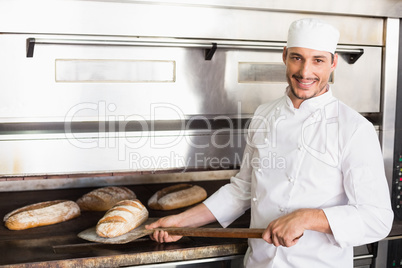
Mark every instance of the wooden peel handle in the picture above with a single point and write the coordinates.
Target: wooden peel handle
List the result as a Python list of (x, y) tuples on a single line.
[(215, 232)]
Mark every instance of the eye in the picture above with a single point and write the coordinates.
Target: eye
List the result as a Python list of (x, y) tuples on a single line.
[(295, 58), (319, 60)]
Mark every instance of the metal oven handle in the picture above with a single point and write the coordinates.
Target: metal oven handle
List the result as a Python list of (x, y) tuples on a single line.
[(210, 47)]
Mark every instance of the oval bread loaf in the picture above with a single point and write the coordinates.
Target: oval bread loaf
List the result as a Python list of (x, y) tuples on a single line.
[(122, 218), (40, 214), (105, 198), (177, 196)]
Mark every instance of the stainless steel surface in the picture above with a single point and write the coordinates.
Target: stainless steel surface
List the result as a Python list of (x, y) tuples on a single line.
[(389, 87), (50, 92), (393, 238), (381, 260), (186, 20), (163, 42), (235, 261), (363, 256), (368, 256), (191, 86), (93, 154), (385, 8), (115, 71), (183, 88), (387, 130), (117, 179)]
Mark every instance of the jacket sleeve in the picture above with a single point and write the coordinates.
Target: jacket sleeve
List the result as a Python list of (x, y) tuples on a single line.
[(368, 216)]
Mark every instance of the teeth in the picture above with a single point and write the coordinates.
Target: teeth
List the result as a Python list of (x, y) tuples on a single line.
[(306, 83)]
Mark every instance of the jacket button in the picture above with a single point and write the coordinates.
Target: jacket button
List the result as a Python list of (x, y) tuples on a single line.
[(291, 179)]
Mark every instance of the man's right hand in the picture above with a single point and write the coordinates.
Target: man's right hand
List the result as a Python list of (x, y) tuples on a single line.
[(194, 217), (163, 236)]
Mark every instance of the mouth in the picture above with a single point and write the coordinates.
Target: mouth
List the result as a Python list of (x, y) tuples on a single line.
[(305, 83)]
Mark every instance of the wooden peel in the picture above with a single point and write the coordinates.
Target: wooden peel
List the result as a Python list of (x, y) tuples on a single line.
[(90, 234), (215, 232)]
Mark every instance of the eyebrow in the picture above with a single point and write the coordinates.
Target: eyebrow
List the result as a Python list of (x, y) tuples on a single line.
[(316, 56)]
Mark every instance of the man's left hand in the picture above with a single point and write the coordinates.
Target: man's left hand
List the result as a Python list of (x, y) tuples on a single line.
[(287, 230)]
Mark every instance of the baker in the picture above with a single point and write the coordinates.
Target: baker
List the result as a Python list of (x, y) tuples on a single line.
[(327, 191)]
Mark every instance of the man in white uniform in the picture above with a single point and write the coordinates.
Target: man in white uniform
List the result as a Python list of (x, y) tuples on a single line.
[(326, 191)]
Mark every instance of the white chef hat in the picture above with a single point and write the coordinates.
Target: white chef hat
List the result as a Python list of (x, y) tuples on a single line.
[(314, 34)]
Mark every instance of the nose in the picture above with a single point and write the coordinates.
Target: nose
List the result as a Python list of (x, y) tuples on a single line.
[(305, 69)]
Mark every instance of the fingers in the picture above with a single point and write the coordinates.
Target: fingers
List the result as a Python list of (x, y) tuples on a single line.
[(286, 230), (274, 239), (267, 236), (160, 235), (279, 241), (277, 238), (157, 235), (163, 237)]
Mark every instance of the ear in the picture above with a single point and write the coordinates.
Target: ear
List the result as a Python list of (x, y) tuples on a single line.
[(284, 54), (335, 63)]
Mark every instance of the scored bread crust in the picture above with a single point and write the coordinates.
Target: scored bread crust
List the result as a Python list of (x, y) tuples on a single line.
[(41, 214), (103, 199), (122, 218), (177, 196)]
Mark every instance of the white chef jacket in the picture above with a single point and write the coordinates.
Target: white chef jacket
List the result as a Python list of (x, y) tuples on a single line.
[(322, 155)]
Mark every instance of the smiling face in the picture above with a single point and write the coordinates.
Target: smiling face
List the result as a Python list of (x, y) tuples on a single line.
[(307, 72)]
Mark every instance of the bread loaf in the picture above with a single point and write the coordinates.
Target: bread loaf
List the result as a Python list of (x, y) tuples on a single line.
[(122, 218), (177, 196), (104, 198), (40, 214)]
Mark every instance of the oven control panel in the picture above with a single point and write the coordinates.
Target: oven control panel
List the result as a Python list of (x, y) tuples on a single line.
[(397, 186)]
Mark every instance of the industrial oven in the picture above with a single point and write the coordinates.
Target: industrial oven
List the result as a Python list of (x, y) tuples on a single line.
[(146, 94)]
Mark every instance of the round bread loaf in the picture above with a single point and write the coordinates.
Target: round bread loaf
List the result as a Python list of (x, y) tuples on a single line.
[(105, 198), (40, 214), (122, 218), (177, 196)]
